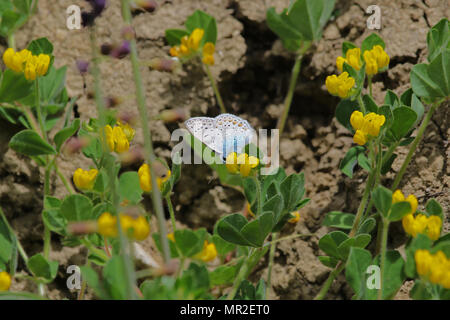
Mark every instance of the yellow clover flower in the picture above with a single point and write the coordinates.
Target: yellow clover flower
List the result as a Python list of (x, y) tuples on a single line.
[(146, 181), (208, 53), (376, 59), (107, 225), (136, 228), (116, 139), (352, 58), (242, 164), (24, 61), (433, 267), (366, 126), (340, 85), (127, 130), (413, 225), (209, 252), (83, 179), (189, 44), (16, 60), (5, 281)]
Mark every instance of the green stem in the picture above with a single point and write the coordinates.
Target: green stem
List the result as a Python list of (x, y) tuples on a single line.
[(172, 213), (384, 236), (258, 195), (37, 102), (148, 144), (22, 252), (216, 90), (101, 109), (292, 83), (414, 145), (329, 281), (361, 104), (12, 41), (240, 277), (94, 249), (369, 79), (273, 245), (64, 180)]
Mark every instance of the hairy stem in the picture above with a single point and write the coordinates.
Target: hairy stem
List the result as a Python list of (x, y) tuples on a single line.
[(329, 281), (148, 144), (384, 236), (172, 213), (216, 90), (273, 245)]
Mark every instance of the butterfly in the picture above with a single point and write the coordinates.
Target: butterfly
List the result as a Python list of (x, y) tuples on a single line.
[(223, 134)]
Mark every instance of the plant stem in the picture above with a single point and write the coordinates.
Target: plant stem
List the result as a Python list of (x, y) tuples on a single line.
[(361, 104), (384, 235), (414, 145), (240, 277), (22, 252), (101, 109), (369, 80), (64, 180), (216, 90), (258, 195), (292, 83), (37, 101), (172, 213), (12, 41), (329, 281), (273, 245), (148, 144)]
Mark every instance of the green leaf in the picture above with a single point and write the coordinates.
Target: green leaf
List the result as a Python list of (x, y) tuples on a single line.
[(344, 248), (54, 220), (391, 99), (328, 261), (439, 71), (438, 38), (382, 199), (370, 104), (344, 110), (41, 45), (64, 134), (43, 268), (174, 36), (29, 143), (76, 207), (421, 290), (14, 87), (292, 189), (281, 25), (6, 240), (114, 279), (353, 155), (130, 188), (189, 242), (275, 206), (393, 276), (371, 41), (355, 271), (367, 226), (229, 228), (399, 210), (10, 22), (421, 83), (434, 208), (329, 243), (404, 120), (362, 240), (223, 275), (256, 231), (200, 19), (339, 219)]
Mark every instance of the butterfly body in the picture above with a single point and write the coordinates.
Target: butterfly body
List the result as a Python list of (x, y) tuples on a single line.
[(223, 134)]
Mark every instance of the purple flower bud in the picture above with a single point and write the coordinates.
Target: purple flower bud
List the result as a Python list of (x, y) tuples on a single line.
[(82, 66), (122, 51)]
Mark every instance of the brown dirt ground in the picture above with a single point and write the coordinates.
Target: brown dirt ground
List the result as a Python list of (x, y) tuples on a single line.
[(253, 71)]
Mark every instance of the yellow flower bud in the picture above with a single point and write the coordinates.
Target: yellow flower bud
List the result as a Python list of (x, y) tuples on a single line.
[(408, 223), (296, 217), (30, 71), (412, 202), (175, 51), (208, 253), (171, 237), (84, 180), (231, 162), (42, 64), (372, 123), (5, 281), (116, 139), (357, 120), (209, 48), (420, 224), (127, 223), (360, 137), (434, 225), (423, 260), (398, 196), (127, 130), (107, 225), (208, 60), (332, 84), (371, 63), (145, 178), (438, 267), (141, 228), (353, 57), (340, 63), (381, 56), (195, 38)]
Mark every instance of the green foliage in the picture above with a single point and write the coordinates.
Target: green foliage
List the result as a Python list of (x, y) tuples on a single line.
[(45, 270), (29, 143), (353, 156), (339, 220), (303, 22)]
